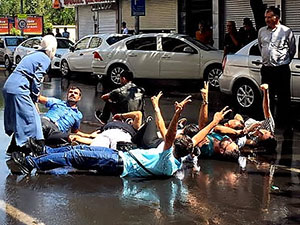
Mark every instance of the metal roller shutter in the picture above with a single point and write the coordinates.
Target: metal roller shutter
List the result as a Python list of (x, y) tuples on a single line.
[(107, 21), (292, 18), (237, 10), (85, 21), (159, 15)]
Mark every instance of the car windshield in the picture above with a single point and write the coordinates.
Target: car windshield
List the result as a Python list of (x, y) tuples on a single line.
[(64, 43), (200, 44), (115, 39), (13, 41)]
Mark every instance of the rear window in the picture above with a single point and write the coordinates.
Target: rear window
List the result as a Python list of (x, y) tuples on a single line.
[(62, 43), (13, 41), (115, 39)]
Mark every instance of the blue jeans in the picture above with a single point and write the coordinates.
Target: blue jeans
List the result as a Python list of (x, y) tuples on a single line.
[(105, 160)]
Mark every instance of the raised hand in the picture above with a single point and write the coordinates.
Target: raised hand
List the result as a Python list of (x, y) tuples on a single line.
[(220, 115), (204, 91), (155, 99), (180, 105), (264, 87)]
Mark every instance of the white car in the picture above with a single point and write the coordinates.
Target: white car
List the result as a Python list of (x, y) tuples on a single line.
[(8, 45), (160, 56), (31, 44), (80, 57), (241, 75)]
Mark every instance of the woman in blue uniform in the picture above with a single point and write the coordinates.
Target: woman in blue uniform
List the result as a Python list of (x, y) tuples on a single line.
[(21, 91)]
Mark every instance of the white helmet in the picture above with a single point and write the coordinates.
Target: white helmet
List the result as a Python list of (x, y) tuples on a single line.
[(49, 44)]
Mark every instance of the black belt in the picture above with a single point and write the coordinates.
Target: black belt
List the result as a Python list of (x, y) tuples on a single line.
[(120, 165)]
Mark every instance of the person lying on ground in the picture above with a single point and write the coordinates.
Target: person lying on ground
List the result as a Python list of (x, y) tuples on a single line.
[(62, 117), (111, 162), (254, 133), (123, 127)]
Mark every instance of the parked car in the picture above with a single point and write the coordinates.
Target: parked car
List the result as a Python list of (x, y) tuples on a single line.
[(80, 57), (8, 45), (31, 44), (160, 56), (241, 75)]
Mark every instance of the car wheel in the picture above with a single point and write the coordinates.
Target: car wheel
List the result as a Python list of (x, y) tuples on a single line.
[(115, 72), (212, 75), (7, 63), (246, 95), (65, 69), (18, 59)]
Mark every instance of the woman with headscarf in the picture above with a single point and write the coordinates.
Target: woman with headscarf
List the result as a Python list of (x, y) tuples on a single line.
[(21, 91)]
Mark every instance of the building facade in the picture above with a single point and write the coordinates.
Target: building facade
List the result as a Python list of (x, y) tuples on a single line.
[(180, 16)]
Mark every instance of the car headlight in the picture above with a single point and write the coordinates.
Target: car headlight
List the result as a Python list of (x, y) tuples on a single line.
[(58, 55)]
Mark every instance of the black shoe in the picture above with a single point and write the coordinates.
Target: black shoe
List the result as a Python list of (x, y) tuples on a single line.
[(26, 166), (37, 147), (98, 115)]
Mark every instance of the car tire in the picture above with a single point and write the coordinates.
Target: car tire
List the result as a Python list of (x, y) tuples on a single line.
[(7, 63), (114, 73), (212, 75), (18, 59), (65, 69), (246, 95)]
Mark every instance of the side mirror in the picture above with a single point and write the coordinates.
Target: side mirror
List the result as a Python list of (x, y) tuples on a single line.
[(188, 50), (1, 45), (72, 48)]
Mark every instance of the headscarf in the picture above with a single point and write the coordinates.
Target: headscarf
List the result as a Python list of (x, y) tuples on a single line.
[(49, 45)]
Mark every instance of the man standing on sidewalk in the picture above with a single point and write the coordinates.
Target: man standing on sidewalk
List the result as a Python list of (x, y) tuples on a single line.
[(277, 46)]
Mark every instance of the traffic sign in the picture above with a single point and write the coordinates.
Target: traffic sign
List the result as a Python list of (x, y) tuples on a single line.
[(138, 8), (22, 24)]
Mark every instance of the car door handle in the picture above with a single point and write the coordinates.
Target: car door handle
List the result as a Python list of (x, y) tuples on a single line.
[(297, 66), (132, 55), (257, 62), (81, 54), (166, 56)]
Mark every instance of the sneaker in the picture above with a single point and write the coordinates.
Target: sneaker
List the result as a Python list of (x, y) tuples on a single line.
[(98, 115), (37, 147), (24, 165)]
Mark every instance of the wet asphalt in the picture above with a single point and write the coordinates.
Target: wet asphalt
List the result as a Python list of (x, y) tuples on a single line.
[(219, 194)]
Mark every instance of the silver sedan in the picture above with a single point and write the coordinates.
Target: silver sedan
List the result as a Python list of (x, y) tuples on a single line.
[(241, 75)]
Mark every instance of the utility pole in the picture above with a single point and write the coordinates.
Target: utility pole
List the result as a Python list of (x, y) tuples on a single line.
[(21, 11), (137, 25)]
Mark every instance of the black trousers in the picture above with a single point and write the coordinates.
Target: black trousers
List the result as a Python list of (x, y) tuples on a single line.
[(53, 136), (278, 78)]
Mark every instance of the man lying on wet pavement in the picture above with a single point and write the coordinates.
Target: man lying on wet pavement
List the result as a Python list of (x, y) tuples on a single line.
[(111, 162)]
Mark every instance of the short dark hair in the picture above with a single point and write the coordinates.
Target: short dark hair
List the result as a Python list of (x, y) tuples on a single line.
[(183, 146), (275, 10), (128, 75), (269, 144), (75, 87), (123, 23), (191, 130), (231, 155)]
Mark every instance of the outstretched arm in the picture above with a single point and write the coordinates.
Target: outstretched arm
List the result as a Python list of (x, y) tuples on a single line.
[(203, 114), (216, 120), (266, 101), (135, 115), (42, 99), (171, 133), (160, 123)]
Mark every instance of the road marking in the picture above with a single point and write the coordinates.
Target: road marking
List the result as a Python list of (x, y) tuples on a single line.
[(18, 215)]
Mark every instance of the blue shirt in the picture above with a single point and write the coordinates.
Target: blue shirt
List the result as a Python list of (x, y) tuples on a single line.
[(160, 163), (27, 76), (207, 150), (63, 115)]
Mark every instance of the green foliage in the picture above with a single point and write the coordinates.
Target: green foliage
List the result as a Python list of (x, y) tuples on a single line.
[(43, 8)]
